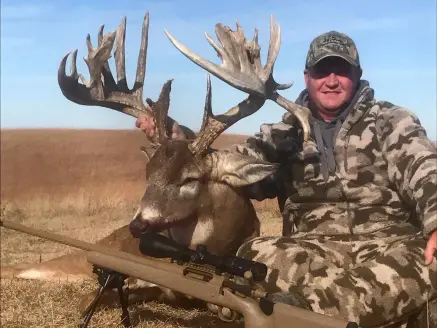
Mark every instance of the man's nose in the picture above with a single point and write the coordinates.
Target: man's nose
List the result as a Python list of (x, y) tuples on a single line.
[(332, 80)]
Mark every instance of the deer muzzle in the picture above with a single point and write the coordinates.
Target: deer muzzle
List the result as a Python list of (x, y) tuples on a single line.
[(137, 226)]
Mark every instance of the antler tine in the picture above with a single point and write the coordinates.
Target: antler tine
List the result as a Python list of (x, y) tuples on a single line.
[(142, 56), (207, 112), (119, 52), (160, 110), (106, 92), (107, 75), (242, 69), (214, 125), (274, 46)]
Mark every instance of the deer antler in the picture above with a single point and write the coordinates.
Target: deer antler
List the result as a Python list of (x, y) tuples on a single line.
[(241, 68), (102, 90), (214, 125)]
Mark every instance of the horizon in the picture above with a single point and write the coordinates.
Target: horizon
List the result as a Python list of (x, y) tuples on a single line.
[(396, 41)]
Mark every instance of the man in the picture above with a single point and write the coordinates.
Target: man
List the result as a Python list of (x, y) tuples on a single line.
[(359, 200)]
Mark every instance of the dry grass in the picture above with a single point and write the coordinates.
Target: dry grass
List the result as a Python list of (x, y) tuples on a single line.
[(83, 184)]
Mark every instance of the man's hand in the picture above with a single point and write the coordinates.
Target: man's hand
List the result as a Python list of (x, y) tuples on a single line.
[(147, 124), (431, 248)]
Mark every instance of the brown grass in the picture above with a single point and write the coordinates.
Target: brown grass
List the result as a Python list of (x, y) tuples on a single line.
[(84, 184)]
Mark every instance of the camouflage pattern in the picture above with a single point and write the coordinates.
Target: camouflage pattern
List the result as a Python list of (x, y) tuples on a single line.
[(332, 43), (354, 238), (371, 282)]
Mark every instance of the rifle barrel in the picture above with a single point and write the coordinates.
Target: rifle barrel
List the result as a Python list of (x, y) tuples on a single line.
[(48, 235), (83, 245)]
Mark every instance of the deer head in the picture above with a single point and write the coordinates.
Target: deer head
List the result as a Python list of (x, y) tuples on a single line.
[(181, 173), (186, 181)]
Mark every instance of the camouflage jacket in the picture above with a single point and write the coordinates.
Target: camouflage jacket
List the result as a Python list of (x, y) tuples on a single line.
[(383, 180)]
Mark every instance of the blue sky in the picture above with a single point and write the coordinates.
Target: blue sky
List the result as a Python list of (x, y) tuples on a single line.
[(396, 41)]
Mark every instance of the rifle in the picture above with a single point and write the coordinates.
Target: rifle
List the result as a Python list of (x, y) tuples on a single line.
[(196, 273)]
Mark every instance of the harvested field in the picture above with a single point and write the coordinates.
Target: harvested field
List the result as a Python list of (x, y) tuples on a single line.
[(84, 184)]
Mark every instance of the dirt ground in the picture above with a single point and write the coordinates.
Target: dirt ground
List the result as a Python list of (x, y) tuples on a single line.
[(84, 184)]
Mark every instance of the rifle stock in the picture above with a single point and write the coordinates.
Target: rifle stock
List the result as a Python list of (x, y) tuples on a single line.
[(193, 281)]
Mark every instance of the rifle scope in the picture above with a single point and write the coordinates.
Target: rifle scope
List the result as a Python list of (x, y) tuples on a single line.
[(156, 245)]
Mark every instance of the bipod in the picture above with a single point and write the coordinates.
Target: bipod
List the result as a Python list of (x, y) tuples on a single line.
[(108, 279)]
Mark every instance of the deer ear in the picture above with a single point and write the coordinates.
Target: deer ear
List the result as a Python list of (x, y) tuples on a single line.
[(239, 170)]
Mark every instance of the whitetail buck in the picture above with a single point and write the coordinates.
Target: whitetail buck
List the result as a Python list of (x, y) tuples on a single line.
[(193, 193)]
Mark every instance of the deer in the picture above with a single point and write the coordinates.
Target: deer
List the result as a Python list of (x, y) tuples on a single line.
[(194, 194)]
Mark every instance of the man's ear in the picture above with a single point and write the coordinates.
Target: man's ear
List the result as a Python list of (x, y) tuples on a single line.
[(238, 170), (306, 77), (360, 72)]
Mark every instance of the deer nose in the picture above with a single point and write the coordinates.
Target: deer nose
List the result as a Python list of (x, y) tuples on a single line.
[(137, 226)]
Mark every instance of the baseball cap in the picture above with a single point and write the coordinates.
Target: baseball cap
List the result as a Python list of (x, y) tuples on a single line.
[(332, 43)]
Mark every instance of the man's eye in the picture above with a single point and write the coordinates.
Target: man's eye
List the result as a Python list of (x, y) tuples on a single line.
[(327, 67)]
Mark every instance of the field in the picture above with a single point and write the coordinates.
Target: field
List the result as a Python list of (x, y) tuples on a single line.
[(84, 184)]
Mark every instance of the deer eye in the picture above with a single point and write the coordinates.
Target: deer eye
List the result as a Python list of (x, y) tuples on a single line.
[(190, 188), (190, 179)]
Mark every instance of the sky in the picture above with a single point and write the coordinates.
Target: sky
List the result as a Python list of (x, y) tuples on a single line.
[(396, 40)]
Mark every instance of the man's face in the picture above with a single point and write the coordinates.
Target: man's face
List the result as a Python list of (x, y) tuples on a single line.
[(331, 83)]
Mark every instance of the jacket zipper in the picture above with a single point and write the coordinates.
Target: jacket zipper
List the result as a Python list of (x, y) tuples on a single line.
[(342, 187)]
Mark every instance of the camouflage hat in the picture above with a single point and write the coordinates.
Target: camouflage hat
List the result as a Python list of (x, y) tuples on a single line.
[(330, 44)]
